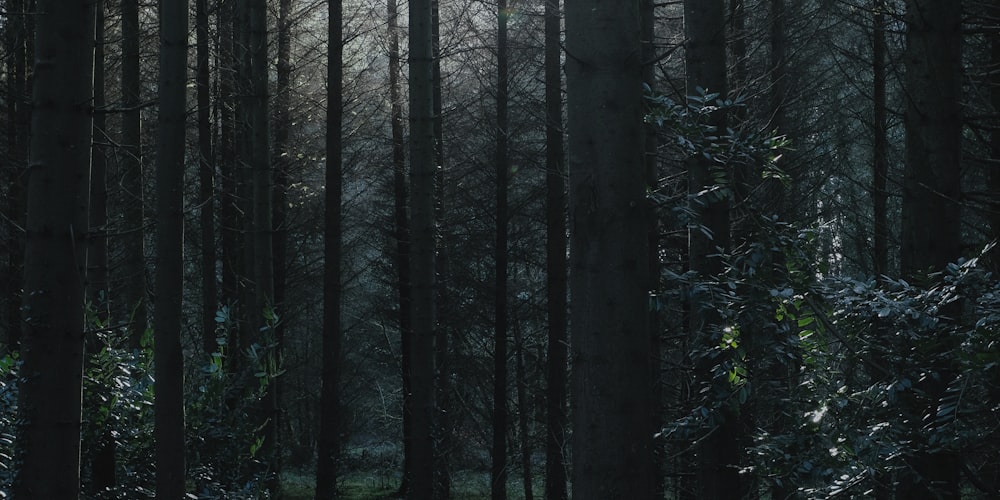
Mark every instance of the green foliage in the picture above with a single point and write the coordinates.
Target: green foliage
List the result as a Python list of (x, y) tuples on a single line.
[(9, 368)]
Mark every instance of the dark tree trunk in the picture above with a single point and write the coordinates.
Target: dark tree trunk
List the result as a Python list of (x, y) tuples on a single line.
[(18, 124), (330, 418), (557, 421), (522, 413), (650, 145), (134, 264), (880, 148), (402, 233), (50, 417), (206, 175), (422, 177), (498, 471), (719, 453), (229, 221), (442, 441), (97, 250), (612, 449), (282, 162), (931, 236), (262, 315), (169, 366), (103, 460)]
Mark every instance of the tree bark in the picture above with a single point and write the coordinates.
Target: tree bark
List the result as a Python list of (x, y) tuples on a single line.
[(97, 250), (330, 418), (55, 253), (880, 148), (422, 177), (931, 216), (134, 264), (718, 454), (557, 421), (18, 124), (609, 283), (522, 413), (169, 365), (206, 177), (402, 233), (498, 470)]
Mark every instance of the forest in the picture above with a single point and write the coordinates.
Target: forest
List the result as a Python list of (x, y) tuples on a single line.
[(505, 249)]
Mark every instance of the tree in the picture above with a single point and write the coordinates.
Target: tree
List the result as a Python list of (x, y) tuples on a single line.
[(880, 143), (612, 451), (422, 177), (706, 70), (97, 251), (133, 268), (206, 179), (498, 470), (401, 223), (55, 252), (169, 358), (931, 215), (556, 420), (330, 419)]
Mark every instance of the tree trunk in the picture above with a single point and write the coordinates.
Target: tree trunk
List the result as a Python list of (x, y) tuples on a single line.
[(522, 413), (330, 418), (931, 236), (134, 264), (282, 162), (231, 256), (263, 251), (102, 461), (19, 122), (97, 250), (169, 366), (718, 454), (557, 421), (442, 441), (650, 146), (498, 471), (206, 174), (422, 176), (880, 148), (612, 450), (402, 233), (55, 253)]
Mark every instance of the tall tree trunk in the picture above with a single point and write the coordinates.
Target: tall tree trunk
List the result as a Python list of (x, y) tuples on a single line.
[(169, 366), (229, 221), (557, 421), (330, 418), (55, 253), (442, 441), (880, 149), (97, 250), (612, 449), (103, 459), (402, 233), (19, 122), (263, 250), (133, 266), (422, 177), (650, 146), (206, 174), (995, 133), (931, 236), (282, 161), (522, 413), (718, 454), (498, 471)]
